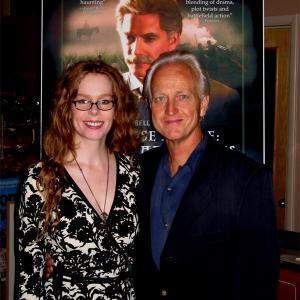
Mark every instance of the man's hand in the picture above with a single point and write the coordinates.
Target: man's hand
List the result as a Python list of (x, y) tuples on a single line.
[(49, 266)]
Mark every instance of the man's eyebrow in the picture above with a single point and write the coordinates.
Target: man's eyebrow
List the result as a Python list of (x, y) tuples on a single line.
[(150, 34)]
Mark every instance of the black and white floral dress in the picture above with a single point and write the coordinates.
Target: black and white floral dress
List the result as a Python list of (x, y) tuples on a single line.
[(93, 261)]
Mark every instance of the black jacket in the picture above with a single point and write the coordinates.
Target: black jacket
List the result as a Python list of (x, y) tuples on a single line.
[(223, 240)]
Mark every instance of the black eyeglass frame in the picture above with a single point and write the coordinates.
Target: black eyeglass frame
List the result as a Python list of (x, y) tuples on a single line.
[(93, 103)]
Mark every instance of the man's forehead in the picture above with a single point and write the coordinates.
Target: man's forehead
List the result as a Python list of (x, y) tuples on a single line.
[(178, 72), (145, 23)]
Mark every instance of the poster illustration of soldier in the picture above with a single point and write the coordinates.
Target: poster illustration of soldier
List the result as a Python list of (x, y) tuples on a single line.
[(226, 36)]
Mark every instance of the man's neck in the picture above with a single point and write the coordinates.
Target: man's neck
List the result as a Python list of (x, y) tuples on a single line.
[(180, 151)]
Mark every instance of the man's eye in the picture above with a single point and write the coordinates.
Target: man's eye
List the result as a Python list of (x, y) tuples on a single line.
[(149, 39), (183, 97), (130, 39), (159, 99)]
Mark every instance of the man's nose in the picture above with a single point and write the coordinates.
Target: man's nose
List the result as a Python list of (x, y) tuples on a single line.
[(138, 46), (171, 107)]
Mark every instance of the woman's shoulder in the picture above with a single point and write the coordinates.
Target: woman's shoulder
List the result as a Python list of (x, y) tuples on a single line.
[(34, 169), (37, 165), (31, 174)]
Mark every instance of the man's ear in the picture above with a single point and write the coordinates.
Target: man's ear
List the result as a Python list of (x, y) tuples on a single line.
[(174, 38), (204, 106)]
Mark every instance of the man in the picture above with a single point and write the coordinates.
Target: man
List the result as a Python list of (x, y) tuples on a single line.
[(208, 228), (148, 28)]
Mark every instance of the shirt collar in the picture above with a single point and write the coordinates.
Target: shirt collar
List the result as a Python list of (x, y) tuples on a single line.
[(133, 82), (193, 160)]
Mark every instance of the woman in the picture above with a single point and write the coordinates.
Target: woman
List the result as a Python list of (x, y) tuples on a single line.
[(78, 204)]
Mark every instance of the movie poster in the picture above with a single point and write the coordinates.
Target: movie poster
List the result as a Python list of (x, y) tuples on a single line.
[(226, 36)]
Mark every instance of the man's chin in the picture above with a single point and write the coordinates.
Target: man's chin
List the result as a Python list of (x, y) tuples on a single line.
[(140, 77), (141, 71)]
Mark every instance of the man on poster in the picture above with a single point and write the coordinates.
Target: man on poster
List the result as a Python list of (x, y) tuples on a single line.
[(148, 28)]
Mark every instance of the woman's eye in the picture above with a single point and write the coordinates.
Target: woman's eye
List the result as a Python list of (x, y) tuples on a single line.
[(107, 101), (104, 101), (82, 101)]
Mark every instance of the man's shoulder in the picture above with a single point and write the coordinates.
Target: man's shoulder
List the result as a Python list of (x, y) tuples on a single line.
[(221, 87), (152, 157), (234, 159), (153, 152), (220, 90)]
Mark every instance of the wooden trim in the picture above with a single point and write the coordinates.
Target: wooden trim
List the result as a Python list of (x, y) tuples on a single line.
[(279, 40), (292, 210), (10, 250)]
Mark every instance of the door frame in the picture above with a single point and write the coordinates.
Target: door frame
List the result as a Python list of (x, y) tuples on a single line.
[(292, 209), (277, 40)]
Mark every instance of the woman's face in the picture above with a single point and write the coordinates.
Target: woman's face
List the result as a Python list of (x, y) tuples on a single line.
[(93, 124)]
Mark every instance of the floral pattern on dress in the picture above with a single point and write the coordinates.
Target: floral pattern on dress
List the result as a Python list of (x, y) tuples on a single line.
[(92, 260)]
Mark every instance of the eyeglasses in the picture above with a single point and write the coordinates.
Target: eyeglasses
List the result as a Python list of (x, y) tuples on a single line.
[(103, 104)]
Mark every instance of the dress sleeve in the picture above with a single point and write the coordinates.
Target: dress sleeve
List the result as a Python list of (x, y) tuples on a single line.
[(258, 248), (30, 252)]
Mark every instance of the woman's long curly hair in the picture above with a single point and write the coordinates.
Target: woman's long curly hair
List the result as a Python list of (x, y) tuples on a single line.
[(59, 137)]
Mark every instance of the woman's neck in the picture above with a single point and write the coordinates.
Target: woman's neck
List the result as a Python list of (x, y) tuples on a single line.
[(90, 155)]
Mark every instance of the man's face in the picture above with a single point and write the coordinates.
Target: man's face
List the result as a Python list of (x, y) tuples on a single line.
[(175, 105), (143, 41)]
